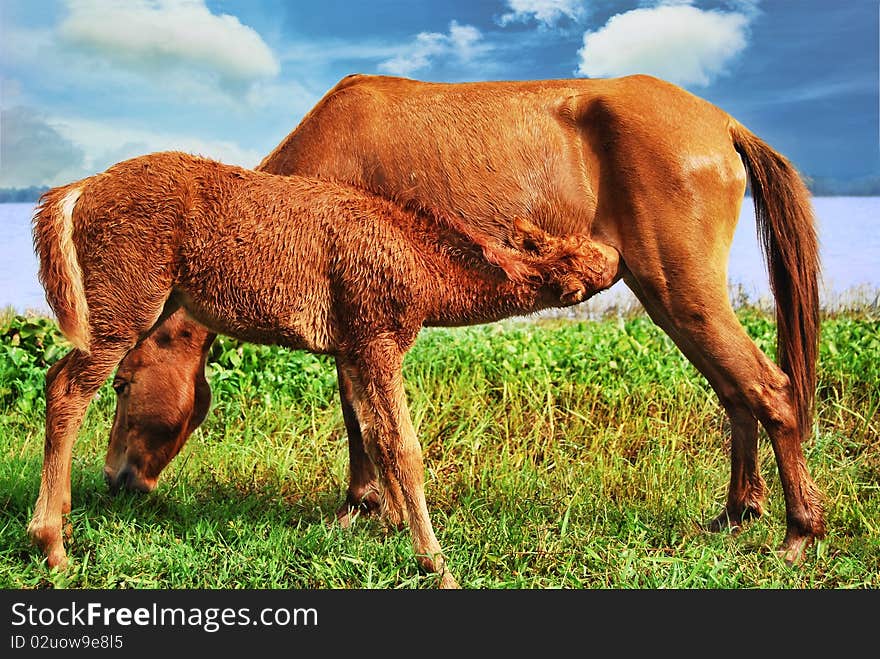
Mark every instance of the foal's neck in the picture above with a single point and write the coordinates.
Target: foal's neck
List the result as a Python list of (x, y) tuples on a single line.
[(467, 288)]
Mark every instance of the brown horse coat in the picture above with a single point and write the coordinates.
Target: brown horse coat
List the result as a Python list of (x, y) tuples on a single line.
[(645, 167), (642, 165), (282, 260)]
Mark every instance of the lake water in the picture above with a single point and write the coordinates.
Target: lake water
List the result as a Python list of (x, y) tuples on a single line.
[(849, 234)]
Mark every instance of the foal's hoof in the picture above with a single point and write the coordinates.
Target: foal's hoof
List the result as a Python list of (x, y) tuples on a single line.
[(52, 549), (448, 582), (794, 549), (368, 505), (57, 559)]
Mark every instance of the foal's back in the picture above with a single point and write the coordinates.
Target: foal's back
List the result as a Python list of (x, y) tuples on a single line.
[(264, 258), (249, 254), (297, 261)]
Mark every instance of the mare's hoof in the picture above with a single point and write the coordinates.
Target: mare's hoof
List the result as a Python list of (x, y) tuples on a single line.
[(732, 523)]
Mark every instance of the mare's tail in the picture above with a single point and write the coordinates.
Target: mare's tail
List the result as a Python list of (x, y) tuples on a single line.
[(787, 233)]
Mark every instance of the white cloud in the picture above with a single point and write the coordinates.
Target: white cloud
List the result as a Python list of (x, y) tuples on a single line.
[(546, 12), (154, 34), (43, 150), (677, 42), (33, 152), (105, 143), (463, 42)]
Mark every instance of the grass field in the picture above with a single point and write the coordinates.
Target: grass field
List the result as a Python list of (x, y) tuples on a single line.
[(559, 454)]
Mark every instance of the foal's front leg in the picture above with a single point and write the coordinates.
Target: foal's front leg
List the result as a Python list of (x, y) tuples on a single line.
[(374, 371)]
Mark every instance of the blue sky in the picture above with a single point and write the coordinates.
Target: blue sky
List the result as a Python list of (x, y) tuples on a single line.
[(86, 83)]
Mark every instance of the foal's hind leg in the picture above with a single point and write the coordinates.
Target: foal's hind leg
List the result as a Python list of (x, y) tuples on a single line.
[(695, 311), (70, 385), (374, 371)]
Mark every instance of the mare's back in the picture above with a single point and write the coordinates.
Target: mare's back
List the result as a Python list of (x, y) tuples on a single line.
[(488, 152)]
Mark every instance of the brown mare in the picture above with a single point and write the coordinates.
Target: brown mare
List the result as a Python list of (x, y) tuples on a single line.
[(294, 261), (640, 164)]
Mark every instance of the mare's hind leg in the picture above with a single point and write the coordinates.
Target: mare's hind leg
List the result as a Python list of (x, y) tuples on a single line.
[(374, 372), (697, 314), (747, 490), (70, 385)]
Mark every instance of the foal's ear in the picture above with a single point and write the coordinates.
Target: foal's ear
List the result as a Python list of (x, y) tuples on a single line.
[(527, 237)]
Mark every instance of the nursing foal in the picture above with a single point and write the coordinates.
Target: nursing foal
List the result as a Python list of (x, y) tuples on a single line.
[(281, 260)]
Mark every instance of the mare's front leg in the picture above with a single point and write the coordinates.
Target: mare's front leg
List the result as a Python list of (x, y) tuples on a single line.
[(362, 497), (373, 370)]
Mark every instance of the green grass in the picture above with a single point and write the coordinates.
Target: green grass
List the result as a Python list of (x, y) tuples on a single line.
[(559, 454)]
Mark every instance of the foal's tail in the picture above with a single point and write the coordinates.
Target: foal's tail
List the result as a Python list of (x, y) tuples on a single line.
[(787, 233), (60, 272)]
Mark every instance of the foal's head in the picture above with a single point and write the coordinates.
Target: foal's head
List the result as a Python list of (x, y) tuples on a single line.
[(161, 398), (573, 267)]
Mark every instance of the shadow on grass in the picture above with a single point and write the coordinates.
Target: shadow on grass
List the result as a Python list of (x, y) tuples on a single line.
[(176, 507)]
